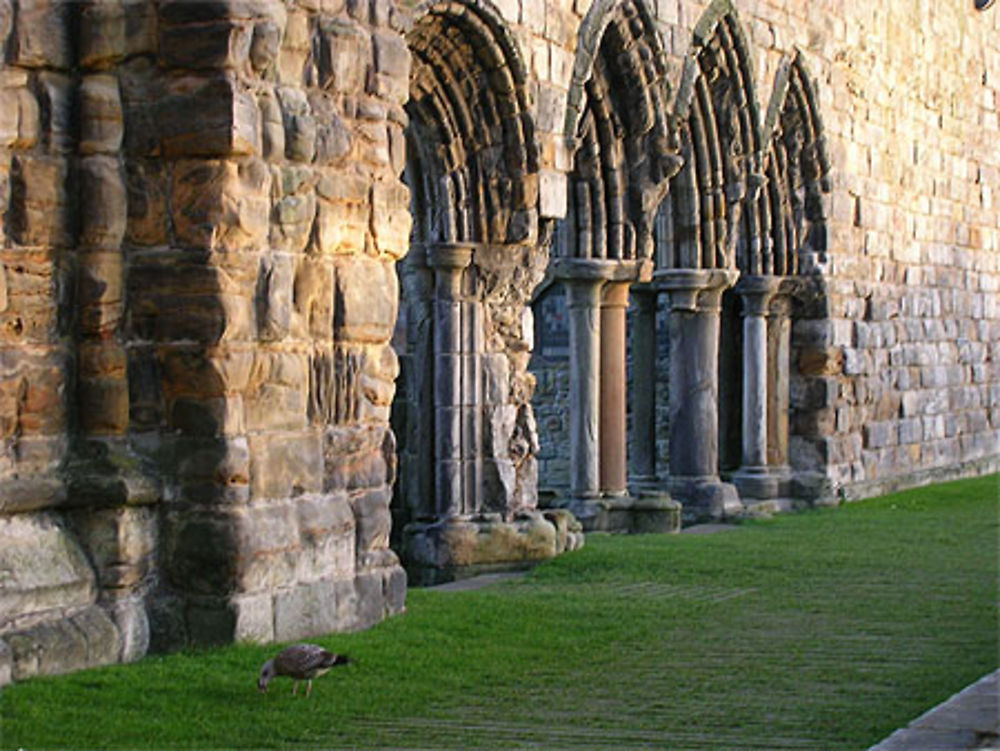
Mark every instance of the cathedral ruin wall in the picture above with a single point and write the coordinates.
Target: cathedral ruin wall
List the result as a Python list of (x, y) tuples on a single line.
[(204, 208)]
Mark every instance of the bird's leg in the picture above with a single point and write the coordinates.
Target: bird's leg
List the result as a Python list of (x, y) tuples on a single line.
[(295, 688), (309, 687)]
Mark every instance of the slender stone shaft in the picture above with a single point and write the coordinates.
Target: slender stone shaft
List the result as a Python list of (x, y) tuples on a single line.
[(449, 261), (613, 426), (644, 385), (779, 329), (695, 302), (584, 300), (753, 478)]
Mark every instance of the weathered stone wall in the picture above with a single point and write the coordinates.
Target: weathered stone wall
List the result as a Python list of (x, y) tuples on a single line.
[(198, 295), (895, 371)]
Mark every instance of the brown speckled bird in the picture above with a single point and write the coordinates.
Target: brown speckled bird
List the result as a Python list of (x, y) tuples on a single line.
[(301, 662)]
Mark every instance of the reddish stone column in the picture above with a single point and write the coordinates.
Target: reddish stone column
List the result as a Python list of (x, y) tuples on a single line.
[(613, 435)]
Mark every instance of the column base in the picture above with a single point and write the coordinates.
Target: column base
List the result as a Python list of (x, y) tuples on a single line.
[(756, 483), (462, 547), (705, 497), (649, 513)]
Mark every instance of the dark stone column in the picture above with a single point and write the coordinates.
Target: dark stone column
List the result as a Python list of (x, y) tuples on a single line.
[(779, 332), (753, 478), (644, 387), (584, 299), (695, 298), (449, 261)]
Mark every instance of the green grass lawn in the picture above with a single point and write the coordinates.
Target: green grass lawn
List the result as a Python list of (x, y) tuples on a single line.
[(821, 630)]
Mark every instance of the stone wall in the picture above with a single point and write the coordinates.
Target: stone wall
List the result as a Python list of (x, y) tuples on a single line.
[(895, 371), (198, 297)]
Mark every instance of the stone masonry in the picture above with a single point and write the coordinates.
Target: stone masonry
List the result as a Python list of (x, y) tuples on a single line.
[(267, 272)]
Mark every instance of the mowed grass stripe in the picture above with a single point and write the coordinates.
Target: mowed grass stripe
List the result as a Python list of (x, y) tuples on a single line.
[(827, 629)]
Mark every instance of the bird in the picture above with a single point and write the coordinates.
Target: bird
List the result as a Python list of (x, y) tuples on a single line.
[(300, 662)]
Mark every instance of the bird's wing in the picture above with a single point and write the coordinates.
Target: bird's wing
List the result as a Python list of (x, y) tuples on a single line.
[(300, 659)]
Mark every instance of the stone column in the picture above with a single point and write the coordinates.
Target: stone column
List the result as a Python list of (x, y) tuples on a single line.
[(779, 334), (613, 431), (753, 479), (644, 386), (695, 300), (584, 300), (449, 261)]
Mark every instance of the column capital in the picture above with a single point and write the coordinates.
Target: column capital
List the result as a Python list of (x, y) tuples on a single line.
[(598, 269), (695, 290), (646, 296), (450, 255), (615, 294), (582, 292), (757, 292)]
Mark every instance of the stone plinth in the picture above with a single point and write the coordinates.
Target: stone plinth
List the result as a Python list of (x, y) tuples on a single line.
[(460, 547)]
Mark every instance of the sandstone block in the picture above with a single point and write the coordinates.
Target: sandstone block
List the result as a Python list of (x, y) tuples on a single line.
[(104, 405), (221, 204), (35, 282), (254, 618), (100, 289), (147, 189), (276, 396), (132, 624), (367, 299), (265, 44), (334, 139), (56, 94), (275, 288), (313, 299), (373, 520), (42, 35), (103, 213), (211, 470), (391, 212), (215, 44), (307, 610), (101, 117), (39, 209), (272, 126), (20, 123), (102, 34), (285, 465), (46, 570), (358, 458), (202, 550), (214, 117), (292, 224), (121, 543), (326, 527), (344, 55)]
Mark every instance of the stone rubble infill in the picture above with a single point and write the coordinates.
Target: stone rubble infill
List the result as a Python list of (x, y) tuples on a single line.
[(968, 720)]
